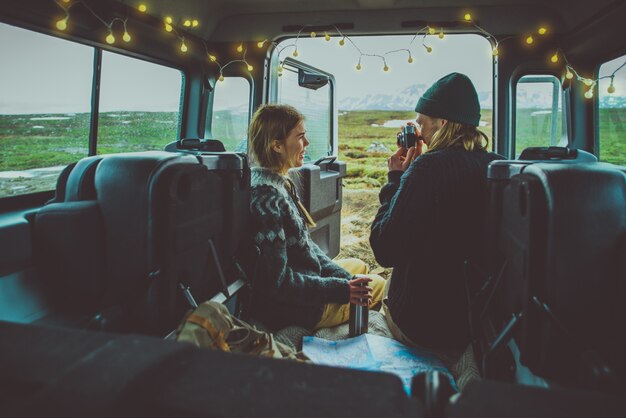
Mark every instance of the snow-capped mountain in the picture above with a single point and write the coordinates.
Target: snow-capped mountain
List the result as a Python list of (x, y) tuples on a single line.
[(406, 99), (403, 100)]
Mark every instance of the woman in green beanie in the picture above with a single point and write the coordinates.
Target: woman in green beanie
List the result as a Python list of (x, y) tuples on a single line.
[(431, 217)]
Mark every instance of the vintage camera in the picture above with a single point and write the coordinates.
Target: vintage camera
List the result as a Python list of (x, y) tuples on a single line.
[(408, 136)]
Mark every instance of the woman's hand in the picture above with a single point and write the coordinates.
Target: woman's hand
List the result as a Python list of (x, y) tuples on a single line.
[(360, 293)]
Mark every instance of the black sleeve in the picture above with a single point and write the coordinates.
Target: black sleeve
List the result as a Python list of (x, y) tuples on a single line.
[(401, 227)]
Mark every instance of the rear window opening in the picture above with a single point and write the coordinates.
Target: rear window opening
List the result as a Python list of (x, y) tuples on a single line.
[(373, 103)]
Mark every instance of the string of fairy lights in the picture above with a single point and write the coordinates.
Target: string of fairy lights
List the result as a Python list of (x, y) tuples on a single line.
[(424, 34)]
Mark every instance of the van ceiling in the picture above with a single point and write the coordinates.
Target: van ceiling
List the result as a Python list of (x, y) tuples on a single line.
[(243, 20)]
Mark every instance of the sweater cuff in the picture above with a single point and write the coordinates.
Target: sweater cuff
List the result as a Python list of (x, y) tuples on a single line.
[(394, 176)]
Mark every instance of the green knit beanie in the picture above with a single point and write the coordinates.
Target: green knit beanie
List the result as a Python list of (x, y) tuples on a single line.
[(453, 98)]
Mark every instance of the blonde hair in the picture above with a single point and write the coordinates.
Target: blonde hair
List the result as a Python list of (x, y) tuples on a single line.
[(454, 134), (268, 123)]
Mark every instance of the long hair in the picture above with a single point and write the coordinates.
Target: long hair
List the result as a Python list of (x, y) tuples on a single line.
[(454, 134), (268, 123)]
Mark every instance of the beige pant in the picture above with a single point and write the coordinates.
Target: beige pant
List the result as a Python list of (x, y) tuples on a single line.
[(338, 313)]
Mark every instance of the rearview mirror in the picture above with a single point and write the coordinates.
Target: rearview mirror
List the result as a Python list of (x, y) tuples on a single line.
[(311, 81)]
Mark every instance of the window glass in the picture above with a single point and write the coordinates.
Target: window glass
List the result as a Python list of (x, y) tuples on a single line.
[(315, 105), (612, 112), (45, 99), (230, 114), (139, 105), (539, 119), (372, 103)]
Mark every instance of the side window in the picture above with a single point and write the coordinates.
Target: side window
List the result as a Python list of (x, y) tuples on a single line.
[(45, 94), (538, 115), (314, 102), (612, 112), (230, 113), (139, 105)]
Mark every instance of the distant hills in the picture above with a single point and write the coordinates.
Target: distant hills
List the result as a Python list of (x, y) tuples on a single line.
[(406, 99)]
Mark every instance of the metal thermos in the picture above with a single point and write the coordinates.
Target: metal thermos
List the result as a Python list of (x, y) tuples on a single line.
[(359, 317)]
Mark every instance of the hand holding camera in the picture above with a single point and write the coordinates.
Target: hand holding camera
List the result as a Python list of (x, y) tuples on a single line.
[(409, 148), (408, 136)]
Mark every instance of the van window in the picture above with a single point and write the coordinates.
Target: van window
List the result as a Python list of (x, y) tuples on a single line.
[(538, 116), (45, 93), (315, 105), (612, 113), (139, 105), (373, 103), (230, 114)]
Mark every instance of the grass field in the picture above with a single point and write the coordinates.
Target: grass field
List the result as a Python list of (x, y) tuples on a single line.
[(51, 141)]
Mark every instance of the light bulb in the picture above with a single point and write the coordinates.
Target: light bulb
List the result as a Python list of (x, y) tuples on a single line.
[(529, 40), (280, 69), (142, 8), (126, 37), (213, 58), (221, 78), (240, 48), (183, 47), (62, 24), (194, 23), (327, 37), (168, 19), (542, 31), (342, 42), (250, 68), (441, 35), (313, 34), (385, 68), (588, 82), (168, 27), (555, 57), (569, 75), (495, 52), (358, 67), (261, 44), (410, 60), (187, 23), (66, 1), (589, 94), (611, 89), (431, 30), (295, 53), (110, 39), (429, 49), (468, 17)]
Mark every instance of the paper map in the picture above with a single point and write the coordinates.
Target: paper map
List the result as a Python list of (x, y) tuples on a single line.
[(374, 353)]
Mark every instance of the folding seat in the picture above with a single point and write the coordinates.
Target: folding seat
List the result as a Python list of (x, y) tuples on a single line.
[(69, 248), (161, 213), (235, 251), (140, 237), (557, 288)]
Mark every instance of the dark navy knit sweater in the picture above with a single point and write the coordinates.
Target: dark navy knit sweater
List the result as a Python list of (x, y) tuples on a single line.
[(430, 221), (295, 278)]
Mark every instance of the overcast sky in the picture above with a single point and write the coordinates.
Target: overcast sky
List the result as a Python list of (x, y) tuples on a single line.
[(469, 54), (54, 76)]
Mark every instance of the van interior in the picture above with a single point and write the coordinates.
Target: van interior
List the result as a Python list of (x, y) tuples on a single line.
[(125, 193)]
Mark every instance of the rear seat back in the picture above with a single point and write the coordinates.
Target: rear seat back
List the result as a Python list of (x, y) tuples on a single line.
[(149, 229), (560, 230), (69, 242)]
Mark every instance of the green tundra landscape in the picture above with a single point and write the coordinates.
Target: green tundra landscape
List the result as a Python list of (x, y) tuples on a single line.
[(35, 147)]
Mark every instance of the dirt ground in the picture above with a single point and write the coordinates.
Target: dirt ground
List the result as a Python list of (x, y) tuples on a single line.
[(358, 211)]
